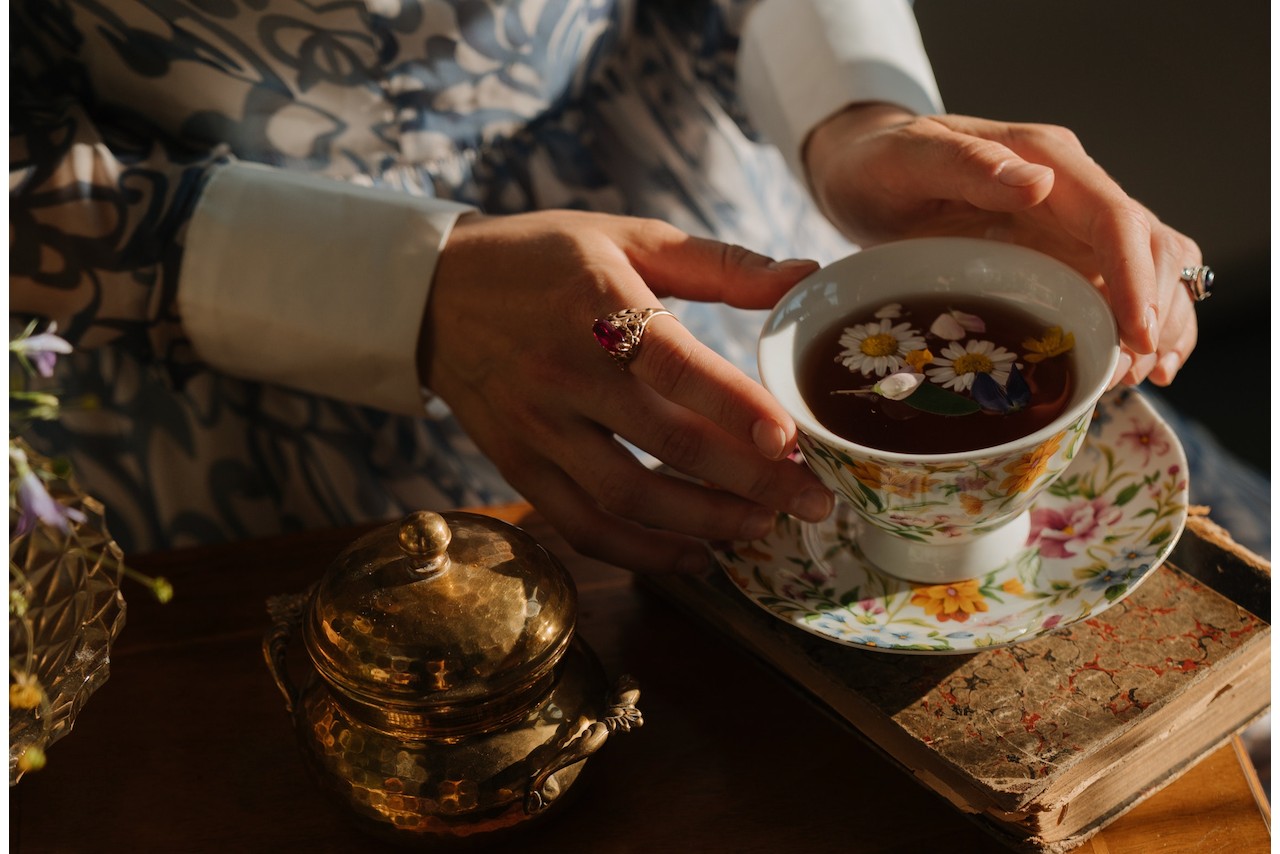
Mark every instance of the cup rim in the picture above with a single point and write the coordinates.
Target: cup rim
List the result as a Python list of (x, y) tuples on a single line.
[(774, 378)]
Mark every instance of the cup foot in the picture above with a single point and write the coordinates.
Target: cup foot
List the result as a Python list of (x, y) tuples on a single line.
[(943, 563)]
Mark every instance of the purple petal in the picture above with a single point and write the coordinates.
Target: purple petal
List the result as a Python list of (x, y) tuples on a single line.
[(43, 360), (988, 394), (36, 501), (45, 342), (26, 521), (1018, 392)]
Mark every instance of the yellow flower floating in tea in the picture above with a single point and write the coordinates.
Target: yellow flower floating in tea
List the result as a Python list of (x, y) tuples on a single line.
[(917, 359), (1054, 342), (901, 375)]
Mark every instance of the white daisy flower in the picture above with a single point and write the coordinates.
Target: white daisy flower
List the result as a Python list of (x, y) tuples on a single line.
[(878, 347), (958, 363)]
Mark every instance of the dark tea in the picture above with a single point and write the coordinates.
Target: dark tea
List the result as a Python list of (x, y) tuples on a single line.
[(938, 374)]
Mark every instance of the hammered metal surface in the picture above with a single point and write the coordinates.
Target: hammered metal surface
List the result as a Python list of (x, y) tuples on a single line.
[(439, 789), (489, 620), (447, 696)]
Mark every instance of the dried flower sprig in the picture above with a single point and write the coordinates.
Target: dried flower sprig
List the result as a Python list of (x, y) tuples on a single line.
[(32, 505), (37, 354)]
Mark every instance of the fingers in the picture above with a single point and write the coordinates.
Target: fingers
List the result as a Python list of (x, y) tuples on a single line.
[(608, 506), (596, 533), (672, 362), (682, 370), (942, 163), (698, 448), (618, 484), (1122, 246), (1178, 331), (673, 263), (694, 411), (1092, 208)]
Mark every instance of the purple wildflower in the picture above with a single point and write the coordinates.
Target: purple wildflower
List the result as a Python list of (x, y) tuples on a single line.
[(36, 503), (42, 350)]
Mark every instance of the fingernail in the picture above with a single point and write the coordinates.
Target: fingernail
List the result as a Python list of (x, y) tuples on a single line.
[(1169, 363), (812, 505), (758, 524), (1152, 325), (1122, 368), (792, 264), (770, 438), (1023, 174), (693, 562)]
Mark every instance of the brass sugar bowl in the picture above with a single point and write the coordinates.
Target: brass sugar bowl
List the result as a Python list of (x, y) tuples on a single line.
[(447, 697)]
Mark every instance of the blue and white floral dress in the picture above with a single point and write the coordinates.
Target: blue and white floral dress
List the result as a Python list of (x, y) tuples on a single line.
[(156, 144)]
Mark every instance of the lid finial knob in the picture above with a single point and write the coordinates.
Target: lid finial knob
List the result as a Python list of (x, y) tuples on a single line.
[(425, 535)]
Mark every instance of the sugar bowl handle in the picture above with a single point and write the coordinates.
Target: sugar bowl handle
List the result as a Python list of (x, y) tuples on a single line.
[(286, 616), (622, 714)]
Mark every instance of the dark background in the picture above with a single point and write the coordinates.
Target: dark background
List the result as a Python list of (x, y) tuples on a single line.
[(1172, 98)]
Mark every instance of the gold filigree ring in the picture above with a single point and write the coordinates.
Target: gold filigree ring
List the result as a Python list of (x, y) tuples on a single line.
[(620, 333)]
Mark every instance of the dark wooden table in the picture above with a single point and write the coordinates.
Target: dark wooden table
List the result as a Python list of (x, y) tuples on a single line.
[(187, 748)]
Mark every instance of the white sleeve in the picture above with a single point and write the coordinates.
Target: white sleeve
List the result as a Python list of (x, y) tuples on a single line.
[(312, 283), (802, 61)]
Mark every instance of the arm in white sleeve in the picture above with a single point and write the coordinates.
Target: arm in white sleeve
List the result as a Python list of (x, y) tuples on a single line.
[(312, 283), (802, 61)]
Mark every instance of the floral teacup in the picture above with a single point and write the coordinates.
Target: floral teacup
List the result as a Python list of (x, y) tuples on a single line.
[(937, 518)]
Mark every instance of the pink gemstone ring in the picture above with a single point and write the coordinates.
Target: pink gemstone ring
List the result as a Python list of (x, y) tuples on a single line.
[(619, 333)]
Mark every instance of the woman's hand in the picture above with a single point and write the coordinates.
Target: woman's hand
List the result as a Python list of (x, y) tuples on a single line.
[(882, 174), (507, 343)]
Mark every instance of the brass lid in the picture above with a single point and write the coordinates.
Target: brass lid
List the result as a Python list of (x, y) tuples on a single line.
[(454, 615)]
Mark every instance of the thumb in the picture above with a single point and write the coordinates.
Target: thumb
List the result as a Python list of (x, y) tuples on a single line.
[(960, 166), (676, 264)]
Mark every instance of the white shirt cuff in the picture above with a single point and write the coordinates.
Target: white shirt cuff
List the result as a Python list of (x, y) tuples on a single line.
[(312, 283), (802, 61)]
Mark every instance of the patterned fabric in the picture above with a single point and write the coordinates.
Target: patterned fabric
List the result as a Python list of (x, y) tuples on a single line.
[(121, 108)]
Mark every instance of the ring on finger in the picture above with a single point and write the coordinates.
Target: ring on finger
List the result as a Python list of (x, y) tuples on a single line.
[(620, 333), (1199, 282)]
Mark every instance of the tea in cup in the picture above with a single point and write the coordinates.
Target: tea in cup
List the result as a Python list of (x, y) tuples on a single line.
[(940, 385)]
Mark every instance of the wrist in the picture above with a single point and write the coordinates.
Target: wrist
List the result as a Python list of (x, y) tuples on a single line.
[(439, 310), (841, 129)]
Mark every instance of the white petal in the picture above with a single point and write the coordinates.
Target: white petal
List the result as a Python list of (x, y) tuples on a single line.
[(971, 322), (947, 327), (898, 386)]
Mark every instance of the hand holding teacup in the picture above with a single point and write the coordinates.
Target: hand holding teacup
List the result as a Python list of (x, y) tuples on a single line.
[(520, 308), (881, 173)]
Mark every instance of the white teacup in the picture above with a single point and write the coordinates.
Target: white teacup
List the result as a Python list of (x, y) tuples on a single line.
[(938, 518)]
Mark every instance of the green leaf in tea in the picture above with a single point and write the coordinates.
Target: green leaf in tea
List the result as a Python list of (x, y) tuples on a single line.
[(937, 400)]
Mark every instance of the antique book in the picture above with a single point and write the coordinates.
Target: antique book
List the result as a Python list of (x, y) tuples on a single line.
[(1045, 741)]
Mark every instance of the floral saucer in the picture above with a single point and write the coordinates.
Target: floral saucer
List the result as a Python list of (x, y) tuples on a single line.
[(1105, 525)]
